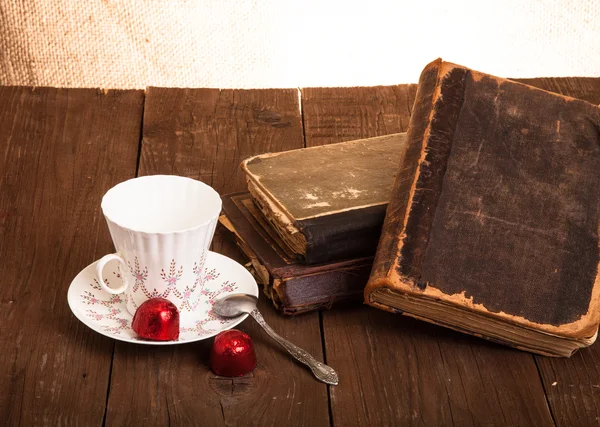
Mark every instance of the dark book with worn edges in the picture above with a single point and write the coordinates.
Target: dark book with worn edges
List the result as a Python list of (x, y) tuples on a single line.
[(497, 232), (292, 286), (327, 203)]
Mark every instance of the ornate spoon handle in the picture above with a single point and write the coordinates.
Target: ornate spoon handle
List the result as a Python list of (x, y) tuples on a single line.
[(321, 371)]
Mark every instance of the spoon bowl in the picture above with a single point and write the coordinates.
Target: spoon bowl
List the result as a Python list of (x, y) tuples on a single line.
[(235, 305)]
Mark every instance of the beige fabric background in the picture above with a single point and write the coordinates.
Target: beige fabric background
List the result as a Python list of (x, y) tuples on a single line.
[(270, 43)]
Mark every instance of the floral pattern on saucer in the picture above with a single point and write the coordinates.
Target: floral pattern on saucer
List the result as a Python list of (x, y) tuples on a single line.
[(108, 314)]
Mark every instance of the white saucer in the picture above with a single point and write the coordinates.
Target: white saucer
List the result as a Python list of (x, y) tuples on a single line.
[(108, 315)]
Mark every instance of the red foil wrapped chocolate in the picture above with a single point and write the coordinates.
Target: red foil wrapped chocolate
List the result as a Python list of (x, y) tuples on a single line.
[(157, 319), (232, 354)]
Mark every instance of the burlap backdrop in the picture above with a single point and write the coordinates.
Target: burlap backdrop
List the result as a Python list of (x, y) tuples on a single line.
[(130, 43), (288, 43)]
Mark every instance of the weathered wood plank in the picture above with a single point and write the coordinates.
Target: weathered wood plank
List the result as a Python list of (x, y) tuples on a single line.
[(204, 134), (60, 150), (572, 385), (343, 114), (399, 371), (394, 370), (586, 88)]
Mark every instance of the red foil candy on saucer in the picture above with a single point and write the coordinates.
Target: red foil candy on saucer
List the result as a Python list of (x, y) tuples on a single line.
[(157, 319), (232, 354)]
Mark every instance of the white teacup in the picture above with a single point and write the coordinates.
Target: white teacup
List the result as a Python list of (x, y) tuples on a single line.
[(162, 227)]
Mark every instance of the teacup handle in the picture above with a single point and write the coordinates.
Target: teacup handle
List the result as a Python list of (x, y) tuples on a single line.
[(100, 267)]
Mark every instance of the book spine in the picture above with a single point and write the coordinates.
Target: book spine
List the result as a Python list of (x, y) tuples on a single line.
[(448, 99), (292, 292), (419, 181), (295, 295), (387, 250), (343, 235)]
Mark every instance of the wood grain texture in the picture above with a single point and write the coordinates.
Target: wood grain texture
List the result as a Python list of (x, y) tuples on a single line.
[(399, 371), (60, 150), (205, 134), (343, 114), (403, 371), (586, 88), (572, 385)]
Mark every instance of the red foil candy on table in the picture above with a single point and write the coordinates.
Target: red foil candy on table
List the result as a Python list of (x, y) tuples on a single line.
[(232, 354), (157, 319)]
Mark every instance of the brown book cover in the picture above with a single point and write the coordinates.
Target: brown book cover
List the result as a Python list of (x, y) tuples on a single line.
[(497, 232), (327, 203), (293, 287)]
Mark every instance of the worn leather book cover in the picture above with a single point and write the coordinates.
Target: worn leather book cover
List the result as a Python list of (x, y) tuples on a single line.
[(496, 234), (327, 203), (292, 286)]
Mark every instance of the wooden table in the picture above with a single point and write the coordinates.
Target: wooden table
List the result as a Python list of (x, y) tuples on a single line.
[(61, 149)]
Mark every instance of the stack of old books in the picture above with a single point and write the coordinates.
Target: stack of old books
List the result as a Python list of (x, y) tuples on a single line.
[(310, 230), (492, 222)]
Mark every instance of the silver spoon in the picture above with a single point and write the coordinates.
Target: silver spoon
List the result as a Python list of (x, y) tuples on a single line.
[(234, 305)]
